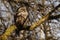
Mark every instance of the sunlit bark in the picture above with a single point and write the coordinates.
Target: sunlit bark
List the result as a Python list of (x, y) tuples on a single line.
[(34, 25), (8, 32), (44, 18)]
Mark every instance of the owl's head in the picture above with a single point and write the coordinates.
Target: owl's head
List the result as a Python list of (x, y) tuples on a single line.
[(21, 15)]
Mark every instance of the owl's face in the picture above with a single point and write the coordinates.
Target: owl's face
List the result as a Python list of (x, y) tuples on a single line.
[(22, 14)]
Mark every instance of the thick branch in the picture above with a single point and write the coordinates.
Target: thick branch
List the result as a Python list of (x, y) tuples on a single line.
[(8, 32), (44, 18), (36, 24)]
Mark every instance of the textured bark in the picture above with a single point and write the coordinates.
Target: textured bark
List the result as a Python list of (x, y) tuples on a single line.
[(44, 18), (8, 32), (36, 24)]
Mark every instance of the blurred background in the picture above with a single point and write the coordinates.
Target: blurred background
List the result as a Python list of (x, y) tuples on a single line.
[(49, 30)]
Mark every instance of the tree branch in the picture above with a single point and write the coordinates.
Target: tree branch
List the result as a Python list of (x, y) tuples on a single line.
[(44, 18), (36, 24), (8, 32), (54, 17)]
